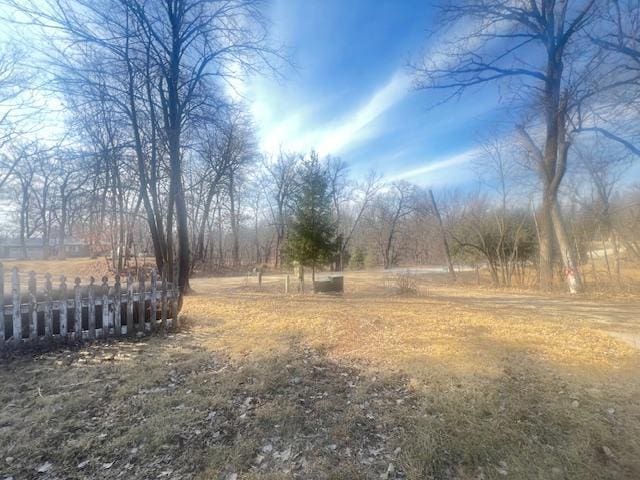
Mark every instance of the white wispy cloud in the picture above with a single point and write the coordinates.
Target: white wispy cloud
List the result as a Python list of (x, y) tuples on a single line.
[(298, 130), (354, 127), (443, 170)]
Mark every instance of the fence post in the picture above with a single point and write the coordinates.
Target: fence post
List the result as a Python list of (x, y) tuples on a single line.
[(92, 309), (63, 307), (163, 301), (48, 308), (2, 326), (77, 310), (154, 301), (286, 284), (105, 307), (130, 304), (17, 308), (117, 308), (33, 307)]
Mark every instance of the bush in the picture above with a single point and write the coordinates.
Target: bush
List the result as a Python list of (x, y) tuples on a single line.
[(403, 283)]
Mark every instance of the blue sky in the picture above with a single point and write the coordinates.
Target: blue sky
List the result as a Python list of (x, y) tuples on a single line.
[(351, 93)]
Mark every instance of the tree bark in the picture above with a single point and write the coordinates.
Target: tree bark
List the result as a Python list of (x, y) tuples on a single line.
[(443, 234), (571, 273)]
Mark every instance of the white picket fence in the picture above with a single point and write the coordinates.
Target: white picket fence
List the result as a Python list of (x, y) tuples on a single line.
[(83, 312)]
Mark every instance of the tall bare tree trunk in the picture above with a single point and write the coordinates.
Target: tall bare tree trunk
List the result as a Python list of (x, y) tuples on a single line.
[(443, 234), (566, 251)]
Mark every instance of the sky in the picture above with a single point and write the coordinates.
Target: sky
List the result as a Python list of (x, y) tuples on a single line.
[(350, 93)]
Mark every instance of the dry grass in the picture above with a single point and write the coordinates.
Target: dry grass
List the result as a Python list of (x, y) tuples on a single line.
[(72, 267), (367, 385)]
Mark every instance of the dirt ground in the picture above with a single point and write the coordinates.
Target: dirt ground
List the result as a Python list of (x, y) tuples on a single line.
[(451, 383)]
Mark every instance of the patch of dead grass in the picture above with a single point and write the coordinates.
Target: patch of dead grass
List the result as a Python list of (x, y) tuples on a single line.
[(272, 386)]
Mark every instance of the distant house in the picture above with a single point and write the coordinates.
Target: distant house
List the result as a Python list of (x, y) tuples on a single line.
[(11, 248)]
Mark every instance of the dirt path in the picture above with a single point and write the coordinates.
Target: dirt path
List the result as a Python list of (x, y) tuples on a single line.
[(620, 319)]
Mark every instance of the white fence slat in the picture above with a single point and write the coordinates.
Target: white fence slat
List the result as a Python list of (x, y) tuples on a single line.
[(154, 300), (17, 301), (117, 307), (130, 331), (33, 307), (48, 307), (106, 311), (163, 302), (77, 310), (63, 307), (92, 308), (141, 302)]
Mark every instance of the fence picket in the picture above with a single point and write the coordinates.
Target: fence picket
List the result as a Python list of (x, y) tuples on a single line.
[(154, 301), (48, 308), (2, 322), (92, 309), (106, 314), (77, 310), (62, 307), (17, 302), (117, 307), (163, 301), (141, 302), (130, 331), (33, 307)]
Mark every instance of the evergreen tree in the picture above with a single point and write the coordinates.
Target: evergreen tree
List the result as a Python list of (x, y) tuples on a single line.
[(312, 235)]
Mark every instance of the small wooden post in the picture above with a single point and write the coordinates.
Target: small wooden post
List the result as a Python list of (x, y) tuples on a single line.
[(17, 308), (62, 308), (92, 309), (117, 307), (260, 279), (33, 307), (286, 284), (2, 327), (163, 302), (48, 308), (141, 302), (154, 301), (106, 313), (77, 309), (130, 304)]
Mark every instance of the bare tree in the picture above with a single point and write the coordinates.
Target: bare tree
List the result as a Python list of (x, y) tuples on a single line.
[(604, 163), (359, 202), (280, 182), (542, 48), (389, 210), (161, 62)]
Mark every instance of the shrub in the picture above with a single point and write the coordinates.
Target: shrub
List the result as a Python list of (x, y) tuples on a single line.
[(403, 283)]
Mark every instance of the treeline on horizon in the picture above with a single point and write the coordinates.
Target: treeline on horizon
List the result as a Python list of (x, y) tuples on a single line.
[(158, 158)]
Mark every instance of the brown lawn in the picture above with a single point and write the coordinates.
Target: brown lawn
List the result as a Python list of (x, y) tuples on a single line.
[(451, 383)]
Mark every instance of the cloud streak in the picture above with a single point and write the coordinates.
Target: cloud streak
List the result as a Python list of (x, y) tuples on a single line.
[(435, 172), (297, 130)]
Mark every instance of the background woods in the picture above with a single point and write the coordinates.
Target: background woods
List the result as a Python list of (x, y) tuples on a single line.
[(158, 157)]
